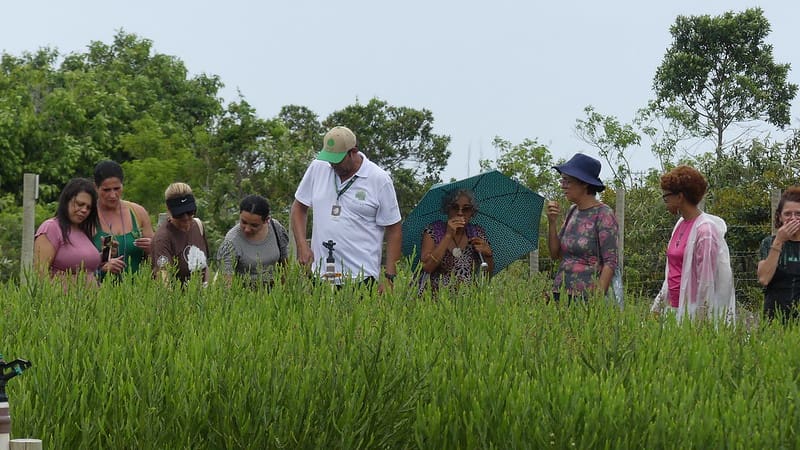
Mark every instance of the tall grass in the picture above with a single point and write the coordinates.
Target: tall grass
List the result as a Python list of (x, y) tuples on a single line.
[(138, 365)]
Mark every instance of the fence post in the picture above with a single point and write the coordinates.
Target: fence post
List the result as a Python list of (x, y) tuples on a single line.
[(25, 444), (620, 213), (533, 261), (30, 192), (774, 199)]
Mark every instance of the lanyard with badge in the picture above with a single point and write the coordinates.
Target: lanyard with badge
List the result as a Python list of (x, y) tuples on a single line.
[(336, 209)]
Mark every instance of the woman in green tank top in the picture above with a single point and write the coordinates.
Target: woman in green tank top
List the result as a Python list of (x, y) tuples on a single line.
[(126, 223)]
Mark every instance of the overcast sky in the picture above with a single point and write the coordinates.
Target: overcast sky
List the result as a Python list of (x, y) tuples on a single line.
[(514, 69)]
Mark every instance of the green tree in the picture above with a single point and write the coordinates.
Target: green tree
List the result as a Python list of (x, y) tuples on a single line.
[(118, 100), (400, 140), (719, 71), (663, 131), (612, 139), (38, 116), (528, 162)]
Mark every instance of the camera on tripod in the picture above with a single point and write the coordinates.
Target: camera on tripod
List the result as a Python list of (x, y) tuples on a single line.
[(330, 273)]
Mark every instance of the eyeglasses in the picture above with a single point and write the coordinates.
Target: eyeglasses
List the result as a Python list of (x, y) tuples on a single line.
[(790, 214), (667, 195), (466, 209), (566, 181)]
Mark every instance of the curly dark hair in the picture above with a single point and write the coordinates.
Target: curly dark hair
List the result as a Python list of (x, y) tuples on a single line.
[(686, 180), (791, 194)]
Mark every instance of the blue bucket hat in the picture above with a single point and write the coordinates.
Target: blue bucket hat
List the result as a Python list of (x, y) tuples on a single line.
[(584, 168)]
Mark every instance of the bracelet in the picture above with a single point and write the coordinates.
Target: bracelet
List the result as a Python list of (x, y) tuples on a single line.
[(390, 277), (772, 247), (435, 258)]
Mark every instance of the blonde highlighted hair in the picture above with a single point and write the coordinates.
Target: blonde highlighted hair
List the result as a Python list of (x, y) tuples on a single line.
[(177, 190)]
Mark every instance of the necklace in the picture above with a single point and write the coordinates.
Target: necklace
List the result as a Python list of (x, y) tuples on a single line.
[(456, 251)]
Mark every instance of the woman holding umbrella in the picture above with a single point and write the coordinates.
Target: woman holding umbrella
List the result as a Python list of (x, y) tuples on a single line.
[(586, 243), (453, 251)]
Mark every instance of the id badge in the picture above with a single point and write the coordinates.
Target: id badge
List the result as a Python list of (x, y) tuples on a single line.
[(336, 211)]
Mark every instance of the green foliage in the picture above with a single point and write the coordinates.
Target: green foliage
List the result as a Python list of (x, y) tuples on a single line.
[(11, 233), (134, 365), (528, 162), (611, 139), (119, 101), (718, 71), (662, 127)]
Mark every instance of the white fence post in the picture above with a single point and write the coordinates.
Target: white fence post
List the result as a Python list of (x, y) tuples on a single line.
[(30, 192), (25, 444), (774, 199), (620, 213), (533, 260)]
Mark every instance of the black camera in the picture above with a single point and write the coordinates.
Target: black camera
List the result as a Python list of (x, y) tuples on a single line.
[(109, 250)]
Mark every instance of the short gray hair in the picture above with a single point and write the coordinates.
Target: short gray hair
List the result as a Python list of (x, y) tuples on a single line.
[(452, 196)]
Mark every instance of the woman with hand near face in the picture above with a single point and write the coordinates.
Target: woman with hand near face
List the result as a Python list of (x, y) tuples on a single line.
[(586, 242), (451, 251), (779, 267), (124, 225), (63, 244), (255, 245)]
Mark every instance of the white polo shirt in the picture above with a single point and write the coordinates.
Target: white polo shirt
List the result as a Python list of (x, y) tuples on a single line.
[(367, 206)]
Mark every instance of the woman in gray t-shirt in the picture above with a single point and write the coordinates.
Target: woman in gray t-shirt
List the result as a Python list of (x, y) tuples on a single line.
[(253, 247)]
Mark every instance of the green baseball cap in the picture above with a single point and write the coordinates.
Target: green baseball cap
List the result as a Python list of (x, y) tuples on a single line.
[(336, 143)]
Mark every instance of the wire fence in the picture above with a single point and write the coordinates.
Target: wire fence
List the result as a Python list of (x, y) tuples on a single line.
[(643, 272)]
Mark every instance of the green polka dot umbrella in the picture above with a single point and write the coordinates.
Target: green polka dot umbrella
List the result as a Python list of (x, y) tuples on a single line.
[(507, 210)]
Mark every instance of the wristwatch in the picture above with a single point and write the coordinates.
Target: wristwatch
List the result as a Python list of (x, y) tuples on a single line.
[(390, 276)]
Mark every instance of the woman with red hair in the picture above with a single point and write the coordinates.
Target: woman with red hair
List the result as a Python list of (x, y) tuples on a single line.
[(698, 280)]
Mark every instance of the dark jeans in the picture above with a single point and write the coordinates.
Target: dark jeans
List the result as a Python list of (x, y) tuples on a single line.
[(785, 307)]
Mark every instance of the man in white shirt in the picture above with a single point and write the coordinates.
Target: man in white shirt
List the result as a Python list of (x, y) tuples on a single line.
[(355, 207)]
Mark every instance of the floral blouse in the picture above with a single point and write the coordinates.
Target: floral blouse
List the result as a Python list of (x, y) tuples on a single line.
[(453, 270), (588, 242)]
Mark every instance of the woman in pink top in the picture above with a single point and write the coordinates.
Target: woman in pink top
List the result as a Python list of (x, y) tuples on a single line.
[(698, 280), (63, 244)]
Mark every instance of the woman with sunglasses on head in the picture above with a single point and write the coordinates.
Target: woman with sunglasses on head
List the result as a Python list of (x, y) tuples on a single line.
[(586, 242), (779, 267), (454, 251), (254, 246), (698, 280), (180, 242), (63, 244)]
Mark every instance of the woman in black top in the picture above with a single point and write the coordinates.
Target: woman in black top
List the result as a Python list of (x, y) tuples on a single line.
[(779, 267)]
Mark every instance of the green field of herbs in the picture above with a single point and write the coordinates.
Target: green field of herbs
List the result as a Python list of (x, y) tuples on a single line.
[(137, 365)]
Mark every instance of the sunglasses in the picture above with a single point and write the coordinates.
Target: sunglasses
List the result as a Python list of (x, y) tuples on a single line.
[(466, 209)]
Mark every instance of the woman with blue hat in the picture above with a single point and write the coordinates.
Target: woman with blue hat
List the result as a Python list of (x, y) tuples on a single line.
[(586, 243)]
